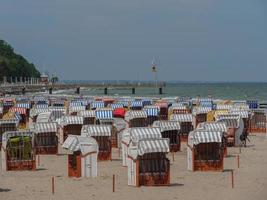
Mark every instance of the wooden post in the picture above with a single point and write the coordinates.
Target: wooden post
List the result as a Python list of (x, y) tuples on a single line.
[(172, 156), (232, 177), (238, 161), (38, 160), (113, 185), (239, 149), (53, 185)]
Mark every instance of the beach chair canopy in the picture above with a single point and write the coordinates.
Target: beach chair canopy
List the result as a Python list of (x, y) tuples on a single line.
[(96, 130), (167, 125), (79, 143), (202, 136), (71, 120), (182, 117), (134, 114), (45, 127), (149, 146)]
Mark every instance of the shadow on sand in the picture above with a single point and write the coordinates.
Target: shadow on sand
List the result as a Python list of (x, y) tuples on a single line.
[(4, 190)]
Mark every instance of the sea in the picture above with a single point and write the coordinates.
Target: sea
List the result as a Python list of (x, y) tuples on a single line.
[(235, 91)]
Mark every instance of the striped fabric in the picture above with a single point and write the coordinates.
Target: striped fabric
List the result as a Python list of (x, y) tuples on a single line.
[(204, 136), (230, 122), (21, 111), (151, 110), (116, 105), (144, 133), (75, 104), (241, 113), (208, 104), (97, 104), (96, 130), (87, 113), (41, 106), (125, 103), (56, 108), (56, 114), (36, 111), (136, 104), (8, 103), (71, 120), (135, 114), (182, 117), (178, 107), (201, 110), (146, 102), (23, 105), (76, 108), (253, 104), (58, 103), (45, 127), (8, 121), (71, 143), (104, 114), (213, 126), (220, 112), (9, 134), (153, 146), (17, 116), (228, 116), (44, 117), (224, 106), (167, 125)]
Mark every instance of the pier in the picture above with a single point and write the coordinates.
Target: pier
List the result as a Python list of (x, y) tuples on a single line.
[(20, 88)]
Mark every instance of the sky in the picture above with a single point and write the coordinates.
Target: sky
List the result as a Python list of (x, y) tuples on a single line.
[(191, 40)]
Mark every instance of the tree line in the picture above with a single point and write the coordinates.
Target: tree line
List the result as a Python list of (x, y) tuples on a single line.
[(14, 65)]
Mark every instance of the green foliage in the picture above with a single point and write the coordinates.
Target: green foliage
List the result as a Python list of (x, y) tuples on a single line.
[(14, 65)]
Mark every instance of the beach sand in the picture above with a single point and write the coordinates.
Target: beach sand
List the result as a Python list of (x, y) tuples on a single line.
[(250, 179)]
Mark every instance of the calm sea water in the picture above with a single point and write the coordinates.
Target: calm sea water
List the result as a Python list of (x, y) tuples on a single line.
[(236, 91)]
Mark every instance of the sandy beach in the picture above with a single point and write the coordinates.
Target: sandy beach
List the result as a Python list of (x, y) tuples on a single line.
[(250, 179)]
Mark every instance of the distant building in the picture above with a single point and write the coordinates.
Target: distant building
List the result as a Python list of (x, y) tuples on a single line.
[(44, 78)]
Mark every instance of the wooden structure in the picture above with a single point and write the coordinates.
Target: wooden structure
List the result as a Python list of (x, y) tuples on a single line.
[(257, 122), (136, 118), (88, 116), (24, 114), (133, 135), (152, 114), (74, 109), (245, 116), (186, 124), (136, 105), (82, 159), (7, 125), (34, 112), (205, 151), (216, 126), (235, 126), (170, 130), (148, 163), (69, 125), (18, 151), (102, 134), (104, 116), (200, 114), (178, 108), (45, 138), (163, 110)]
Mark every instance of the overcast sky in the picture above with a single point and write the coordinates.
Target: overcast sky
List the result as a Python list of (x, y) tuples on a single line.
[(213, 40)]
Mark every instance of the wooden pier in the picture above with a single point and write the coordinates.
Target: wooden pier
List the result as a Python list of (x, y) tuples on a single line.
[(21, 88)]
